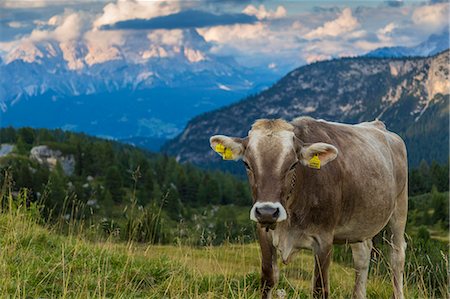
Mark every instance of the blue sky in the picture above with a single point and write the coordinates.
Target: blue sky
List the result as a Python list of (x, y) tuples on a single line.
[(256, 33)]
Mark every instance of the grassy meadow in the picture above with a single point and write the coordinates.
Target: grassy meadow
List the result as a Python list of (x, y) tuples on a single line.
[(38, 261), (126, 223)]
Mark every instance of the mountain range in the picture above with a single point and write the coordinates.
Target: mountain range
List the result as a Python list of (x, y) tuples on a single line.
[(142, 92), (411, 95), (433, 45), (138, 89)]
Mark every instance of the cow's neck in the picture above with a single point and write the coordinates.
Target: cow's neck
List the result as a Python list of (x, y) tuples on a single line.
[(289, 240)]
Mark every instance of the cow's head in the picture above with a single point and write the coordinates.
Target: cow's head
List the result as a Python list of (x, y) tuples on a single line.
[(272, 154)]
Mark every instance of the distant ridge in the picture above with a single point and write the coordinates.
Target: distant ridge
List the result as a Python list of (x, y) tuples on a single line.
[(435, 44), (411, 95)]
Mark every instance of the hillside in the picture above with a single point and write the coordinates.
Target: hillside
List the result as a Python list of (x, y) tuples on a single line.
[(411, 95), (118, 187)]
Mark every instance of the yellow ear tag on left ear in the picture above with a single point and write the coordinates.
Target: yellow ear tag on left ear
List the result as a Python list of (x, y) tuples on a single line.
[(220, 148), (228, 154), (314, 162)]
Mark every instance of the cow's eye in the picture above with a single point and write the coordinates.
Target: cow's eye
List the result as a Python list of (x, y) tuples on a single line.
[(293, 166), (246, 165)]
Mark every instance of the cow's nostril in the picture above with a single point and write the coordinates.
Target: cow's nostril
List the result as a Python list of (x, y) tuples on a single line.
[(276, 213), (258, 213)]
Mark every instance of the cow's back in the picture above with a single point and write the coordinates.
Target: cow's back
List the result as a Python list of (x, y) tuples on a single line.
[(357, 192)]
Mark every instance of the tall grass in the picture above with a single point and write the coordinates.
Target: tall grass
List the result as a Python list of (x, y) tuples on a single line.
[(66, 260)]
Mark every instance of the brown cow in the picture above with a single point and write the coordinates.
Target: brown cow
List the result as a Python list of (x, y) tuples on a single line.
[(306, 195)]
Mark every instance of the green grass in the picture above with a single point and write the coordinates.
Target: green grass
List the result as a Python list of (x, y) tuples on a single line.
[(38, 262)]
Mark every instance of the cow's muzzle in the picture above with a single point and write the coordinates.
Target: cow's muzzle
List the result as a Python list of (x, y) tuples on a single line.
[(268, 213)]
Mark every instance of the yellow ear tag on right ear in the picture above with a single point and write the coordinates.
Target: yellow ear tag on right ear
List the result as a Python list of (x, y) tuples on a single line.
[(314, 162), (228, 154), (220, 148)]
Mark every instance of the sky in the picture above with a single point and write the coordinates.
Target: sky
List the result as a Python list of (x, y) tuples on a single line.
[(270, 34)]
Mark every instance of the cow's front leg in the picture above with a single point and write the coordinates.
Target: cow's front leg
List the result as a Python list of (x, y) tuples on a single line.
[(322, 256), (269, 274), (361, 260)]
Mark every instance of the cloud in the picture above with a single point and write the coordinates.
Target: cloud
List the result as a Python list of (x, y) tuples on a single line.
[(69, 28), (256, 41), (183, 19), (259, 44), (261, 13), (228, 34), (39, 3), (431, 17), (169, 43), (367, 46), (193, 55), (16, 24), (346, 36), (26, 3), (103, 46), (166, 37), (67, 33), (343, 24), (130, 10), (313, 57), (385, 34), (255, 35), (104, 38), (55, 20), (231, 1)]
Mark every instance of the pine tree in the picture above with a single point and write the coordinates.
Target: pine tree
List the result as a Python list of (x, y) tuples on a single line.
[(57, 191), (439, 203), (114, 183), (8, 135), (22, 147), (27, 135), (157, 195)]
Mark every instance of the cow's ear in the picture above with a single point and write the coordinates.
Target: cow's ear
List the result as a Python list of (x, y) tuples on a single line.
[(317, 154), (230, 148)]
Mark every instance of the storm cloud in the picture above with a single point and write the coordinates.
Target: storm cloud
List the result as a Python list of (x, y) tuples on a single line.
[(182, 20)]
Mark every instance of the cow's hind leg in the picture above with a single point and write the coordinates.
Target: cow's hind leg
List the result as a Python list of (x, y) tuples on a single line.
[(397, 225), (269, 269), (361, 259)]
